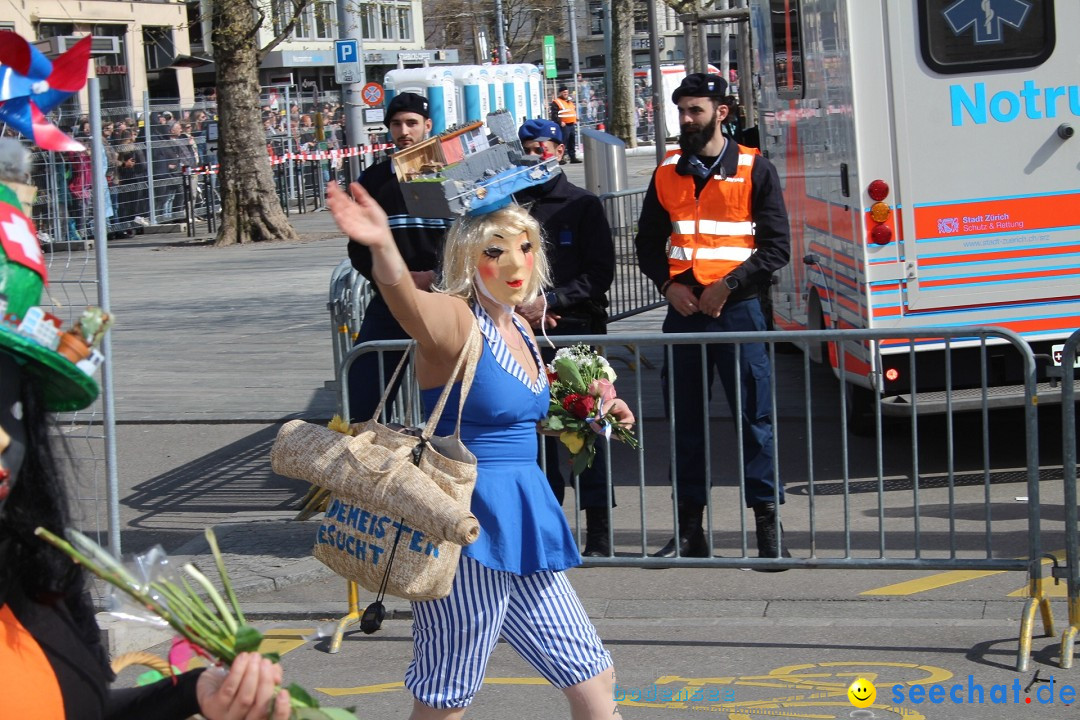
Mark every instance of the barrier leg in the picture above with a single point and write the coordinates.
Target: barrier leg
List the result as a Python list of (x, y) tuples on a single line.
[(1023, 652), (1037, 601), (350, 619), (1069, 636)]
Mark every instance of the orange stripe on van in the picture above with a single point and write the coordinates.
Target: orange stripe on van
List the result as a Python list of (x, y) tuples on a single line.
[(1006, 255), (952, 282), (1024, 215)]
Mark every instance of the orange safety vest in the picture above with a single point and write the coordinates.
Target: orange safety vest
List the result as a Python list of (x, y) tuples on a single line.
[(567, 111), (712, 233), (28, 683)]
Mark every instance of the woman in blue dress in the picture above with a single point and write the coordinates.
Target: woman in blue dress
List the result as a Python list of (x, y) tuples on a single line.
[(510, 583)]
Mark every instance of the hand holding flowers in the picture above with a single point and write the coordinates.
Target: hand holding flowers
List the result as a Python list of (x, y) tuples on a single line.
[(584, 404), (216, 628)]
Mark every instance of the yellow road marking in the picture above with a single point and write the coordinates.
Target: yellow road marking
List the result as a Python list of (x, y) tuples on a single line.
[(933, 582), (282, 640), (951, 577)]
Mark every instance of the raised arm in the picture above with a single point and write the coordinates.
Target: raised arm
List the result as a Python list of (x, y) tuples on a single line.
[(440, 324)]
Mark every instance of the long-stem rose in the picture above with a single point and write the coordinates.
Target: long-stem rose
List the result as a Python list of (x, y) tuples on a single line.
[(604, 391)]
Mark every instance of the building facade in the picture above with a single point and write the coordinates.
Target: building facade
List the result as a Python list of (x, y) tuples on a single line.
[(135, 43), (392, 33)]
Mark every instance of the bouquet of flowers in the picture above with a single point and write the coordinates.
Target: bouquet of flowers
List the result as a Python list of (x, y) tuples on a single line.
[(215, 629), (581, 386)]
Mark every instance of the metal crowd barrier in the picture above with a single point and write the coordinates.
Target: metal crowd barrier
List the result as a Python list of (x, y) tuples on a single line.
[(851, 507), (1068, 463), (631, 292), (350, 292)]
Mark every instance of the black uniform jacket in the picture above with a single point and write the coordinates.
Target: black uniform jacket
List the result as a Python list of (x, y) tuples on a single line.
[(578, 243)]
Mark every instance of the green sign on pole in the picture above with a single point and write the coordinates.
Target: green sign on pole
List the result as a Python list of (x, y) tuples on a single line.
[(549, 56)]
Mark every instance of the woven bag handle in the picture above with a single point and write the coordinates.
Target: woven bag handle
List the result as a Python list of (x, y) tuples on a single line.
[(470, 356)]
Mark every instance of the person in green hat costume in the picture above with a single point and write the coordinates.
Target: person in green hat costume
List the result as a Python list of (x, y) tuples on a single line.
[(52, 664)]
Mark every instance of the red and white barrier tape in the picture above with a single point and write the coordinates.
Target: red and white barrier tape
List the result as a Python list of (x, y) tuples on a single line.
[(311, 156)]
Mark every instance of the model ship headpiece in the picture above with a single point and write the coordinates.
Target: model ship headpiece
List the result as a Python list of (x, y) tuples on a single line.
[(465, 171)]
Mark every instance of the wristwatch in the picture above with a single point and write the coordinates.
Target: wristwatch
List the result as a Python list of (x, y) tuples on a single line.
[(731, 283)]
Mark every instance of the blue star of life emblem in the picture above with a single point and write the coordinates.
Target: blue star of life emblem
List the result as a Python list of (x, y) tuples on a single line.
[(986, 17)]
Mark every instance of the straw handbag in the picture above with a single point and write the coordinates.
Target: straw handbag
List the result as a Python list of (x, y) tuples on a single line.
[(398, 512)]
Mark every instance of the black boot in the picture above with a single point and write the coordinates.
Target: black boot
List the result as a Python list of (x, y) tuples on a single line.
[(769, 543), (596, 533), (691, 535)]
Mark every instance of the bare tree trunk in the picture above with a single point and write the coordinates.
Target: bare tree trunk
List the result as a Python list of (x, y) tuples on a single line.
[(622, 72), (249, 204)]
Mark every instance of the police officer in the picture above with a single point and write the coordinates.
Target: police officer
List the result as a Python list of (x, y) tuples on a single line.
[(581, 255), (722, 208), (564, 112), (419, 240)]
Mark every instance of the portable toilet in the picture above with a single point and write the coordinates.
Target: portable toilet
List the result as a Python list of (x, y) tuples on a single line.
[(538, 108), (487, 102), (515, 92), (437, 84), (497, 75), (471, 86)]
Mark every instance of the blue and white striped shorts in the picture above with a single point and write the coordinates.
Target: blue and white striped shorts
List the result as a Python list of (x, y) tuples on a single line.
[(539, 615)]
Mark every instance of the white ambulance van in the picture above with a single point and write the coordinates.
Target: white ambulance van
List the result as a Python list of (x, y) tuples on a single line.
[(930, 157)]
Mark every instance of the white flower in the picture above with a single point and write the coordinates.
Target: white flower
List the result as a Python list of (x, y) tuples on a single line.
[(608, 372)]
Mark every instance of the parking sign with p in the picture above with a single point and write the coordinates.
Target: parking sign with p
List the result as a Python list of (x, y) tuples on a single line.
[(346, 61)]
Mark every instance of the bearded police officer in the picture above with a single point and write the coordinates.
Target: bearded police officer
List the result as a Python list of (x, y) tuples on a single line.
[(721, 206)]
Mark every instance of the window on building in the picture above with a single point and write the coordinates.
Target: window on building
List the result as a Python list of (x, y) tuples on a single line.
[(50, 30), (404, 23), (7, 26), (325, 12), (386, 21), (158, 47), (303, 28), (965, 37), (112, 68), (787, 47), (279, 15), (641, 16), (194, 23), (596, 17), (369, 22)]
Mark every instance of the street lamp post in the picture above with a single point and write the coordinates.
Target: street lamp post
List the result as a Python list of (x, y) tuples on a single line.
[(574, 61)]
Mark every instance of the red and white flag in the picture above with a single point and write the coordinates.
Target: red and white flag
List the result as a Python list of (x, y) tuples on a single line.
[(19, 239)]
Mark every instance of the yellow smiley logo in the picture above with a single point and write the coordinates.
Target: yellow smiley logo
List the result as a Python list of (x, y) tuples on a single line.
[(861, 693)]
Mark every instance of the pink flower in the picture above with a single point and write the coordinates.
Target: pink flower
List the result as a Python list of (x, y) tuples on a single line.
[(603, 390)]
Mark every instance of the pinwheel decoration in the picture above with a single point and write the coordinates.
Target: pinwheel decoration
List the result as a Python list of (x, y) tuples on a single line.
[(31, 85)]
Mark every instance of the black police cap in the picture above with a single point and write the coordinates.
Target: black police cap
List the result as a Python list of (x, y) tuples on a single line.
[(701, 85), (407, 102)]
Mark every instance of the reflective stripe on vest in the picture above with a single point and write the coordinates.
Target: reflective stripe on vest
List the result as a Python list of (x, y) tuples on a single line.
[(567, 111), (713, 233), (713, 227), (734, 254)]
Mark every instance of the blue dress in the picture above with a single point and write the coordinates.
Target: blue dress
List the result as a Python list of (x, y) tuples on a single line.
[(522, 528)]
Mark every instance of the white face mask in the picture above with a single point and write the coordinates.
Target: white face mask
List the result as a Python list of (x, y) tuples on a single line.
[(509, 264)]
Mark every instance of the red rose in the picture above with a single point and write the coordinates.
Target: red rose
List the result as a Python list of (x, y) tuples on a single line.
[(578, 405)]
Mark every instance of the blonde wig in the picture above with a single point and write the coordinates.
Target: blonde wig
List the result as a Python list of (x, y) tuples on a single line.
[(469, 236)]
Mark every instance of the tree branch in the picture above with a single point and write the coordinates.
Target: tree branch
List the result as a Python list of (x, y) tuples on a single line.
[(298, 7)]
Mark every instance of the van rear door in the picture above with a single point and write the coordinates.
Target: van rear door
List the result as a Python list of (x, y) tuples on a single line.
[(989, 182)]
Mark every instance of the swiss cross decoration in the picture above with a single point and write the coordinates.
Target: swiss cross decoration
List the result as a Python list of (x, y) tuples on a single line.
[(19, 239)]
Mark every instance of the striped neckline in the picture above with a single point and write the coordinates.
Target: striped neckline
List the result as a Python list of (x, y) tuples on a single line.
[(502, 353)]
